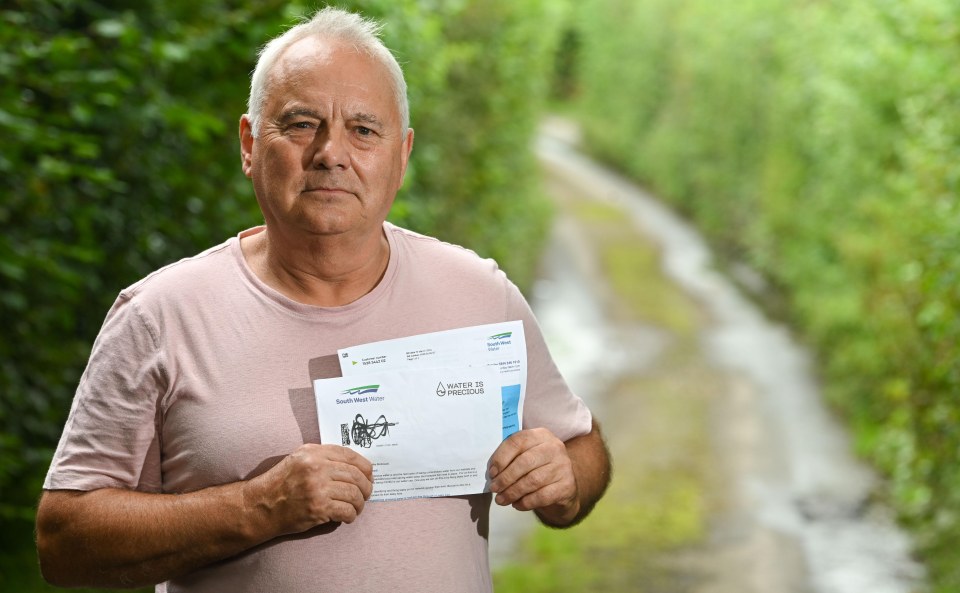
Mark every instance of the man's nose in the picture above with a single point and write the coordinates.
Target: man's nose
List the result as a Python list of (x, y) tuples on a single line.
[(330, 149)]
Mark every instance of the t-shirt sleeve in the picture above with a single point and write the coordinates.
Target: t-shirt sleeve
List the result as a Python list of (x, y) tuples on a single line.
[(110, 439), (548, 402)]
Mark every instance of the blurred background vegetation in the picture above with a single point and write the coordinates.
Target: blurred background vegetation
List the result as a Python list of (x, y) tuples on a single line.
[(817, 143)]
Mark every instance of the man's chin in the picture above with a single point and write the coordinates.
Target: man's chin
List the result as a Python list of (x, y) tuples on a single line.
[(331, 226)]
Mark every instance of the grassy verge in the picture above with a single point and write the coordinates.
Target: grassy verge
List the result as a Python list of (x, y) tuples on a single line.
[(655, 422)]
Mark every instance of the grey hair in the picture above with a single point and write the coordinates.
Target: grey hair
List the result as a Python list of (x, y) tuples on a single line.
[(334, 24)]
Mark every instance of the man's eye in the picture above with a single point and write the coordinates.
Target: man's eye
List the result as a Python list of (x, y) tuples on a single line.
[(364, 131), (303, 125)]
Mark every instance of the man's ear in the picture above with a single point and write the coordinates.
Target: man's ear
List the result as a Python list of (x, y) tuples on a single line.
[(405, 156), (246, 145)]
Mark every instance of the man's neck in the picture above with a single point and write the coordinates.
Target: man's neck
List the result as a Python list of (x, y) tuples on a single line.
[(325, 271)]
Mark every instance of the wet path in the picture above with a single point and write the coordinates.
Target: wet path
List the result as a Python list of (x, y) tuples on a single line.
[(784, 507)]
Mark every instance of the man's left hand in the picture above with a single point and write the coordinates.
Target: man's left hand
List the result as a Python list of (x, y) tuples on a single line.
[(532, 470)]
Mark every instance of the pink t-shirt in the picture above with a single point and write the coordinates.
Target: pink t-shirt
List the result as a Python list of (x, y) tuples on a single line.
[(202, 375)]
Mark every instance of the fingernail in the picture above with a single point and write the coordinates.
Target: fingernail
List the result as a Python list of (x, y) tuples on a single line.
[(493, 471)]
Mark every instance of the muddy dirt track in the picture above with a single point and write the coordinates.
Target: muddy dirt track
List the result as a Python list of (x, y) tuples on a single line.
[(730, 476)]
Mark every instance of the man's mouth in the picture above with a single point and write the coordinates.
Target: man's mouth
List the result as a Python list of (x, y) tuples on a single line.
[(326, 190)]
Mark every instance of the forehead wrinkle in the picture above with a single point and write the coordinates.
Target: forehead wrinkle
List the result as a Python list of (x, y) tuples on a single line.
[(298, 64), (299, 76)]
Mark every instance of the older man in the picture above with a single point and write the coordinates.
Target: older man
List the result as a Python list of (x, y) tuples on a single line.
[(192, 456)]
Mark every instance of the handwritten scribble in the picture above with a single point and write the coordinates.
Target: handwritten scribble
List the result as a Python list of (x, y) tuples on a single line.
[(364, 434)]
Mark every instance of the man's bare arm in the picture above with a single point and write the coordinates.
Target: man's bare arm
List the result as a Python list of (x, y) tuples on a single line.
[(122, 538), (560, 481)]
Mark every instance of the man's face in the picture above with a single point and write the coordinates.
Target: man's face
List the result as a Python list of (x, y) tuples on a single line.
[(330, 155)]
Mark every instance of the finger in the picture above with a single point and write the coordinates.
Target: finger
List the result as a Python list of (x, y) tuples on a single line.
[(319, 457), (357, 460), (539, 455), (363, 481), (345, 473), (532, 481), (505, 453), (344, 512), (322, 474), (549, 495), (516, 445), (340, 494), (346, 455)]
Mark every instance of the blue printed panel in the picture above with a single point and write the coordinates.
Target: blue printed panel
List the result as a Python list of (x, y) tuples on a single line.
[(511, 401)]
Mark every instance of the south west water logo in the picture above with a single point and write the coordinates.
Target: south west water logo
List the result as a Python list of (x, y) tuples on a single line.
[(441, 391), (361, 390), (496, 341)]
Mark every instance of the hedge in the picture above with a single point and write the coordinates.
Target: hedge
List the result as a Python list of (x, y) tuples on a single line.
[(120, 154)]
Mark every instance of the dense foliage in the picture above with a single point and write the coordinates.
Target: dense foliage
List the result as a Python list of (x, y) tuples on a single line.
[(120, 155), (819, 142)]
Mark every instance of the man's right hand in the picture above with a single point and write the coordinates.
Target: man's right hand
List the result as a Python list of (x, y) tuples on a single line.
[(113, 537), (315, 484)]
